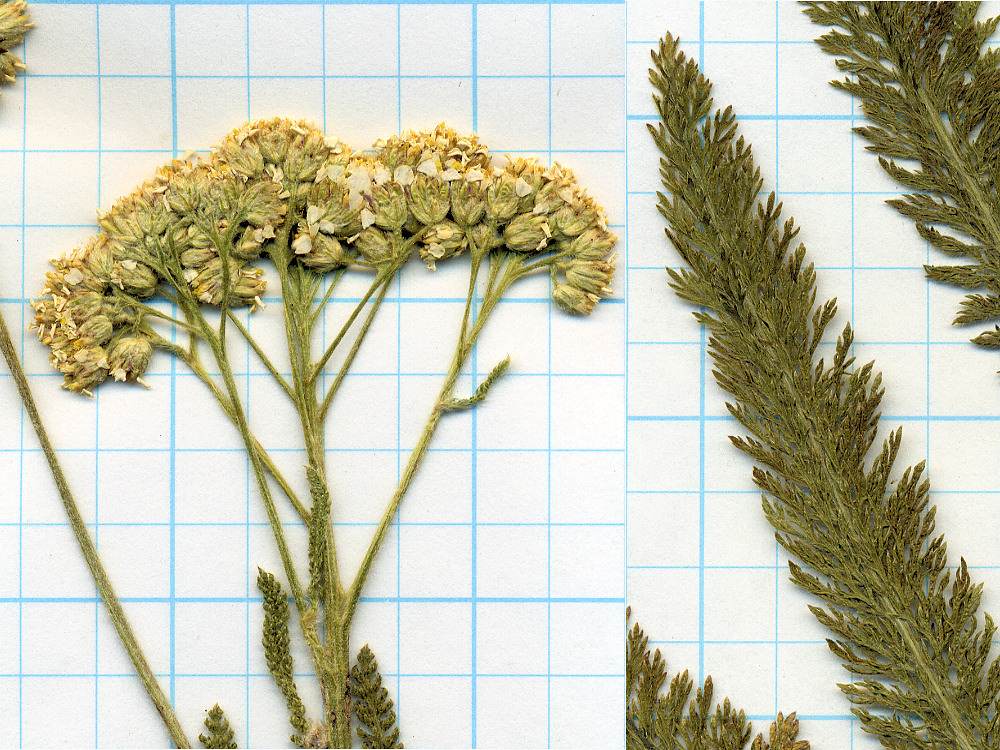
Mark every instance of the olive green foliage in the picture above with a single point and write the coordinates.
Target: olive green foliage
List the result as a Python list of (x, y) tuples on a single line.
[(277, 652), (932, 93), (372, 704), (656, 720), (219, 733), (863, 537)]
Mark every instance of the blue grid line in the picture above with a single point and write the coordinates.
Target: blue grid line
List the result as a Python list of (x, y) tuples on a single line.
[(246, 470), (321, 77), (399, 359), (474, 511), (173, 395), (97, 504), (548, 508), (20, 467), (702, 368), (777, 550), (322, 2), (390, 599), (346, 524), (625, 391)]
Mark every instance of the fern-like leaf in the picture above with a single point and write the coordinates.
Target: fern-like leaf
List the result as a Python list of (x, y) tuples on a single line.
[(932, 92), (220, 735), (372, 704), (277, 650), (657, 721), (318, 521), (865, 538)]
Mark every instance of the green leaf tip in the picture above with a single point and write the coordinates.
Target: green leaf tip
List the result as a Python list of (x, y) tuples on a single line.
[(656, 720), (372, 704), (277, 651), (931, 89), (318, 522), (457, 404), (220, 735), (863, 536)]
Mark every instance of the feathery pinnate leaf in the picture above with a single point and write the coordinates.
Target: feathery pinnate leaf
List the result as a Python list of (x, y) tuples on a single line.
[(457, 404), (319, 518), (932, 94), (865, 539), (372, 704), (657, 721), (220, 735), (277, 652)]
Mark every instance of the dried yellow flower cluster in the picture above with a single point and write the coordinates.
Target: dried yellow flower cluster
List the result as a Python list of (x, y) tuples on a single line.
[(284, 190), (14, 22)]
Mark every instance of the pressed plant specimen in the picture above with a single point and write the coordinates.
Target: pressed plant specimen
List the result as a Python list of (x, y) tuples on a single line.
[(657, 719), (930, 87), (905, 626), (317, 211)]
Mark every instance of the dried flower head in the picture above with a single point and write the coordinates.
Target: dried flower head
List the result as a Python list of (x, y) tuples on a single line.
[(281, 189), (14, 23)]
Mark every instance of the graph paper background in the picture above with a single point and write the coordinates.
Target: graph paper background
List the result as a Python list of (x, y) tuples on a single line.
[(598, 471)]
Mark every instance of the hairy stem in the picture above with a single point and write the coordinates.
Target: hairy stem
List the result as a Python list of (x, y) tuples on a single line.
[(511, 272), (101, 580)]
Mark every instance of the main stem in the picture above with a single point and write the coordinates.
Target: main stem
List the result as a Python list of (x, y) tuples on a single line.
[(334, 655), (103, 583)]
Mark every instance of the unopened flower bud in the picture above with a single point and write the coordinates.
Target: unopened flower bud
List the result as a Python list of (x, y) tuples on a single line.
[(96, 330), (501, 199), (374, 245), (326, 254), (571, 221), (244, 282), (100, 260), (196, 257), (593, 244), (135, 278), (248, 248), (129, 357), (84, 305), (527, 233), (429, 199), (389, 206), (84, 369), (485, 237), (590, 276), (467, 202), (444, 240), (273, 146), (573, 300)]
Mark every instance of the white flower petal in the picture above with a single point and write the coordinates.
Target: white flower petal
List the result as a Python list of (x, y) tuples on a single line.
[(450, 175), (474, 175), (428, 167), (313, 214), (403, 175), (302, 244), (367, 218), (521, 187)]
